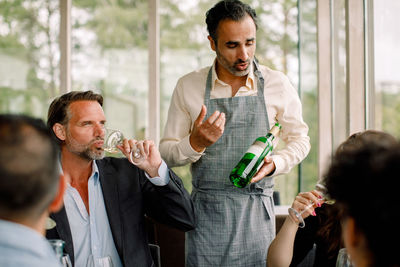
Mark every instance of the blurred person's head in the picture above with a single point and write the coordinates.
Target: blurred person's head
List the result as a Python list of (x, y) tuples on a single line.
[(77, 120), (363, 180), (232, 27), (30, 184), (361, 139)]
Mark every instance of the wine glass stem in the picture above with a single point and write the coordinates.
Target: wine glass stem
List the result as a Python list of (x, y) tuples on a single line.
[(308, 207)]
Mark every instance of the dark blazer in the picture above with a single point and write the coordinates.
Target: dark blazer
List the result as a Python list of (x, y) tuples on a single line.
[(128, 197)]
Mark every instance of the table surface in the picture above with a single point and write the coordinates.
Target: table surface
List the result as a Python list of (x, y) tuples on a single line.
[(281, 209)]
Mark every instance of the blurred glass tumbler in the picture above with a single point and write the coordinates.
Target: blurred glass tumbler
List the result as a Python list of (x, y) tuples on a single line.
[(66, 261), (99, 262), (113, 138), (58, 247), (343, 259)]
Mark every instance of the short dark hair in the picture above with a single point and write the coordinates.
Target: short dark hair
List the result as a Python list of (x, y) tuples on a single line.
[(58, 110), (364, 181), (360, 139), (227, 9), (29, 172)]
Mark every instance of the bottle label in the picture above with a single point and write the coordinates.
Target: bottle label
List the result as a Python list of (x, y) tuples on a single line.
[(250, 166), (257, 148)]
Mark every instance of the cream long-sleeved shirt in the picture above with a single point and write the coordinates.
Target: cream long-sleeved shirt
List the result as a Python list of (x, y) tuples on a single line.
[(283, 106)]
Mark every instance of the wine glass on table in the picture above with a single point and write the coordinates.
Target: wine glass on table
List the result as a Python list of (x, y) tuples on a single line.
[(343, 259), (113, 138), (94, 261), (66, 260), (58, 247), (297, 216)]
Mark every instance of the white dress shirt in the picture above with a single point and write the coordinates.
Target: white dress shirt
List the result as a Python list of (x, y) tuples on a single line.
[(283, 106), (91, 235)]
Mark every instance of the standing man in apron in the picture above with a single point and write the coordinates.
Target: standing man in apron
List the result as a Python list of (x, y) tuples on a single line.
[(215, 115)]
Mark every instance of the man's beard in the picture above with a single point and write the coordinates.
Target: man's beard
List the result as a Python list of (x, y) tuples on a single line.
[(86, 151), (89, 154), (232, 69)]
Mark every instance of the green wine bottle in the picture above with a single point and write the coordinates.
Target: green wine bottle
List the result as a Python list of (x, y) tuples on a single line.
[(252, 160)]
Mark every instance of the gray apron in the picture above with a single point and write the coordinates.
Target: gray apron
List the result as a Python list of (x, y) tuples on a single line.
[(234, 226)]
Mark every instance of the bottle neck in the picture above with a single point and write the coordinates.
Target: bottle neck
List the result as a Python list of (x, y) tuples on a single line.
[(274, 131), (270, 136)]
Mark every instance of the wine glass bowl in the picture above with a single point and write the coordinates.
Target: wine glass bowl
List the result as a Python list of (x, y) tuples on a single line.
[(114, 138), (297, 216)]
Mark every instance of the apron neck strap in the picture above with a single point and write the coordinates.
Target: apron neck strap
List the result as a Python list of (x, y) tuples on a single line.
[(208, 85), (257, 73), (260, 78)]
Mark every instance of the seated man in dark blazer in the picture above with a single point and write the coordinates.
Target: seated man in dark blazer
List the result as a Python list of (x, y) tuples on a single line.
[(107, 198)]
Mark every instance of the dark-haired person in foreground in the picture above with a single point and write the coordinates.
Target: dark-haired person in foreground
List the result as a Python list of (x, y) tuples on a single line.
[(30, 188), (107, 198), (322, 230), (216, 113), (365, 184)]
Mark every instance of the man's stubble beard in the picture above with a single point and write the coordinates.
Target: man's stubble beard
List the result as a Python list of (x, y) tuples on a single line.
[(225, 64), (85, 151), (92, 155)]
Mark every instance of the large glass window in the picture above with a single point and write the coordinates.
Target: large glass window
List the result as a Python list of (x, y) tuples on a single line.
[(308, 89), (110, 55), (339, 72), (277, 48), (386, 60), (184, 48), (29, 56)]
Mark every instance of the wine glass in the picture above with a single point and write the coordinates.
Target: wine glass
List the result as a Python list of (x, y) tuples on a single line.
[(94, 261), (297, 216), (343, 259), (66, 260), (58, 247), (113, 138)]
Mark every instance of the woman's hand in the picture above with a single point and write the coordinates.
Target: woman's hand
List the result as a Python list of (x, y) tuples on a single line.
[(303, 201)]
